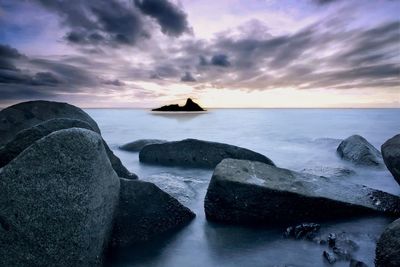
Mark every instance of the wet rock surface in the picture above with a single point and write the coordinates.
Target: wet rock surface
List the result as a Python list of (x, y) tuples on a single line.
[(391, 155), (184, 189), (302, 231), (57, 201), (331, 172), (196, 153), (145, 211), (248, 192), (27, 114), (388, 246), (359, 151), (137, 145)]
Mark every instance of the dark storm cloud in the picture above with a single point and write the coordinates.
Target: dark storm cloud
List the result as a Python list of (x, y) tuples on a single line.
[(172, 20), (115, 82), (188, 77), (323, 55), (115, 22), (220, 60)]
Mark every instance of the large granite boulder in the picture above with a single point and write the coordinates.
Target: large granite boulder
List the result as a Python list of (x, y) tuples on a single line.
[(196, 153), (246, 192), (137, 145), (146, 211), (57, 201), (391, 155), (388, 246), (27, 114), (359, 151), (26, 137)]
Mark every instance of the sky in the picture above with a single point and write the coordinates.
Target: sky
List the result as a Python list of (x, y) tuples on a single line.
[(221, 53)]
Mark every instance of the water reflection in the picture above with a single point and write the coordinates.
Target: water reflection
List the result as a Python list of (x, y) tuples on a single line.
[(179, 116)]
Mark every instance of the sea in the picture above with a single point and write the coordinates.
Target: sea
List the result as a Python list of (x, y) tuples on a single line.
[(298, 139)]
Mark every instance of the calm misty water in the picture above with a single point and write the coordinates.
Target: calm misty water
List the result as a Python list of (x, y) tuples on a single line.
[(297, 139)]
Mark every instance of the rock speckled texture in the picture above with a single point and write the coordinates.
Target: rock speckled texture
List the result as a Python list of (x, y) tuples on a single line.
[(391, 156), (57, 201), (388, 246), (27, 114), (26, 137), (146, 211), (246, 192), (359, 151)]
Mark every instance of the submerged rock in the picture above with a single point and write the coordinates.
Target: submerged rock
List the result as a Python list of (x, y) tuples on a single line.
[(190, 105), (179, 187), (146, 211), (246, 192), (329, 257), (359, 151), (196, 153), (57, 201), (27, 137), (357, 263), (137, 145), (391, 156), (27, 114), (388, 246), (304, 230)]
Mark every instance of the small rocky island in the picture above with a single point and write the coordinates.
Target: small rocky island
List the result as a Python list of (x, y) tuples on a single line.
[(190, 106)]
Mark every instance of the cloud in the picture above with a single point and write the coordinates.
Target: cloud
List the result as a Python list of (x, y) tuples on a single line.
[(220, 60), (115, 82), (173, 21), (115, 22), (188, 77)]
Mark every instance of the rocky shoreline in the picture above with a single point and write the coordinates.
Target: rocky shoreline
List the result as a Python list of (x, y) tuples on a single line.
[(66, 199)]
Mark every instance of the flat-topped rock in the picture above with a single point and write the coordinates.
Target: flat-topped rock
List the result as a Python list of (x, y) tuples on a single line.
[(137, 145), (196, 153), (144, 212), (391, 156), (27, 114), (28, 136), (190, 106), (388, 246), (57, 201), (246, 192), (359, 151)]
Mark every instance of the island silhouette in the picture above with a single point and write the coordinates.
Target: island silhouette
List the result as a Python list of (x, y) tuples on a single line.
[(190, 106)]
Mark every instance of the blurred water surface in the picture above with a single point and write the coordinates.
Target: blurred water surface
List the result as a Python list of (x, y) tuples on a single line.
[(298, 139)]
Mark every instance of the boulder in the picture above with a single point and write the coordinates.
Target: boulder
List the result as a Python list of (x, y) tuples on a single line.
[(246, 192), (359, 151), (196, 153), (388, 246), (145, 211), (26, 137), (391, 155), (57, 201), (137, 145), (27, 114)]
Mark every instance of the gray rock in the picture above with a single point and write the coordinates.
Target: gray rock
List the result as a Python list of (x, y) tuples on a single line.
[(246, 192), (332, 172), (196, 153), (359, 151), (181, 188), (137, 145), (57, 201), (146, 211), (27, 114), (388, 246), (27, 137), (391, 156)]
